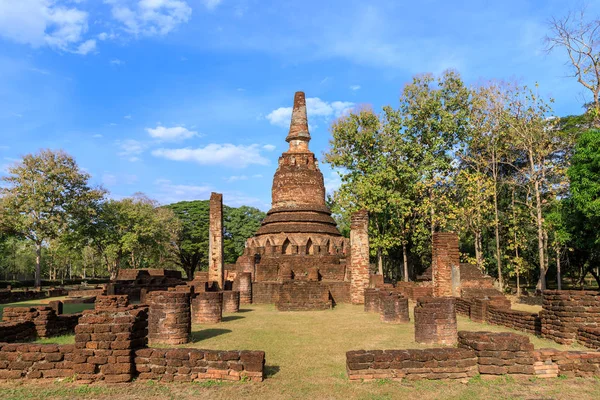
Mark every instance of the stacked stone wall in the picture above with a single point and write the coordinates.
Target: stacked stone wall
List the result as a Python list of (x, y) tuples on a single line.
[(589, 337), (411, 364), (303, 296), (106, 339), (435, 320), (339, 291), (231, 301), (414, 291), (393, 307), (44, 318), (243, 284), (169, 318), (265, 292), (11, 332), (515, 319), (187, 365), (35, 361), (463, 306), (207, 308), (499, 353), (565, 311)]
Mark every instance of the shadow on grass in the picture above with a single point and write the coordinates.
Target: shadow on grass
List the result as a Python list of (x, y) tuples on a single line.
[(271, 370), (231, 318), (242, 310), (208, 333)]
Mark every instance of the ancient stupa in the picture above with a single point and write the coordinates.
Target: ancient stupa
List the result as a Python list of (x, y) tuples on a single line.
[(298, 235)]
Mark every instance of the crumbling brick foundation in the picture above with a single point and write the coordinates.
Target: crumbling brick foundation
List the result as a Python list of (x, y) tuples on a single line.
[(207, 308), (231, 301), (243, 284), (303, 296), (393, 307), (44, 318), (435, 321), (565, 311), (372, 300), (169, 317)]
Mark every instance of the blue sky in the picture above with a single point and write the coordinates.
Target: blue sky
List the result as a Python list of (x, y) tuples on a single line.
[(178, 98)]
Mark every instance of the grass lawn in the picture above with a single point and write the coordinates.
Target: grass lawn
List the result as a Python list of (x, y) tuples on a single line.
[(305, 354)]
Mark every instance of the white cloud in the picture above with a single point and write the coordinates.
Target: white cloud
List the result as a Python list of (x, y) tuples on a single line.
[(127, 117), (116, 61), (211, 4), (131, 149), (97, 136), (235, 178), (333, 181), (45, 22), (354, 87), (269, 147), (104, 36), (169, 192), (315, 107), (257, 176), (39, 71), (216, 154), (171, 134), (150, 17), (86, 47)]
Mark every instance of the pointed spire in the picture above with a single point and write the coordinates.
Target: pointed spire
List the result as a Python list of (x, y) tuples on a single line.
[(299, 123)]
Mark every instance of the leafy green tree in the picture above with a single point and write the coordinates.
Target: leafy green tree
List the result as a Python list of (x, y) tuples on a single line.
[(240, 223), (44, 193)]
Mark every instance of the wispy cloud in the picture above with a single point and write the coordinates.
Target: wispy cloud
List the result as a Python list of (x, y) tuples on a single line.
[(315, 107), (354, 87), (131, 149), (150, 17), (116, 61), (174, 133), (211, 4), (229, 155), (269, 147)]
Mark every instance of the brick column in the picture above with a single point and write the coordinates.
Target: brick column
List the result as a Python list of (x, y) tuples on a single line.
[(215, 240), (231, 301), (359, 258), (435, 321), (445, 264), (169, 317), (243, 284), (393, 307), (207, 308)]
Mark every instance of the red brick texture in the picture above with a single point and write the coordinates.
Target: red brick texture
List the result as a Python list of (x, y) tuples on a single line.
[(215, 240), (359, 256), (11, 332), (589, 337), (372, 300), (393, 307), (303, 296), (231, 301), (565, 311), (44, 318), (435, 321), (187, 365), (243, 284), (169, 317), (446, 257), (411, 364), (207, 308)]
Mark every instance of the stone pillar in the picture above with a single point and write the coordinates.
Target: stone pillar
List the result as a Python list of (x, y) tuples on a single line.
[(445, 264), (371, 300), (244, 286), (215, 240), (359, 258), (435, 321), (57, 306), (393, 307), (169, 317), (478, 310), (231, 301), (207, 308)]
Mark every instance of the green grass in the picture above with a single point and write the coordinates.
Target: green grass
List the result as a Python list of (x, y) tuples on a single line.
[(305, 356)]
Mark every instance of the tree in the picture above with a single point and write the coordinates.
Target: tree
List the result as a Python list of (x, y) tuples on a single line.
[(45, 192), (581, 39), (240, 223)]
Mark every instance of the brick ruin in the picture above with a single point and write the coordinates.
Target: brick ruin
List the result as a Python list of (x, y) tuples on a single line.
[(298, 240), (445, 264), (215, 240), (435, 321), (359, 253), (169, 317), (488, 354), (393, 307), (111, 346)]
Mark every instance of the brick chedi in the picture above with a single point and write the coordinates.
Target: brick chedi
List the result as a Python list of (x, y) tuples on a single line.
[(215, 240), (298, 240)]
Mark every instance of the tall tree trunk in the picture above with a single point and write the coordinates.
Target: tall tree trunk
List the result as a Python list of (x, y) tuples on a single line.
[(38, 268), (497, 224), (558, 277), (405, 261), (478, 250), (379, 261), (541, 285)]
